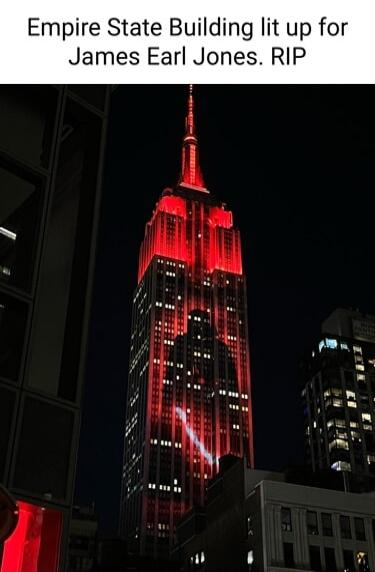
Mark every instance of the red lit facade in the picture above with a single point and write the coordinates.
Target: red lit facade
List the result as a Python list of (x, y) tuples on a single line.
[(188, 399), (34, 545)]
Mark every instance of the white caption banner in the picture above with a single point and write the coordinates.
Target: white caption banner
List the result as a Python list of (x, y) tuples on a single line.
[(294, 41)]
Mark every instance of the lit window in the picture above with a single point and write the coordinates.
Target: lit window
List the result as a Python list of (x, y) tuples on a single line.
[(338, 444), (250, 557), (341, 466), (250, 530), (362, 561), (8, 233)]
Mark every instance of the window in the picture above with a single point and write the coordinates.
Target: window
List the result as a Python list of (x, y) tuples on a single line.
[(26, 120), (250, 530), (348, 561), (362, 561), (64, 271), (19, 206), (315, 560), (250, 559), (13, 316), (341, 466), (288, 555), (345, 527), (43, 457), (197, 561), (359, 527), (286, 519), (327, 524), (312, 522), (330, 558), (7, 403)]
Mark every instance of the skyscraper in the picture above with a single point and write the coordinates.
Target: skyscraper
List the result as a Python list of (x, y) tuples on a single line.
[(188, 400), (339, 395)]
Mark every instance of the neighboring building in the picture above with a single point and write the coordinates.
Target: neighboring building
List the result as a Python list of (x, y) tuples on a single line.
[(255, 522), (339, 395), (83, 539), (51, 152), (188, 400)]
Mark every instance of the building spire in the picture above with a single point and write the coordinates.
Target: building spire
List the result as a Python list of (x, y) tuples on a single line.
[(191, 173)]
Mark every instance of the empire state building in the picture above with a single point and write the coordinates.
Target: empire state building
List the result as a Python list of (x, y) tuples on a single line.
[(188, 400)]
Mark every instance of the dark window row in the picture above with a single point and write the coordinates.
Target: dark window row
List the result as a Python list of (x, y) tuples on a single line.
[(325, 526)]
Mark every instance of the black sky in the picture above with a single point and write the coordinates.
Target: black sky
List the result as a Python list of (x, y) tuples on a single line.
[(303, 157)]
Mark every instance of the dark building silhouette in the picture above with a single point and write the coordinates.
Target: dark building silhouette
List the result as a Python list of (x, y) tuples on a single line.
[(188, 401), (339, 396), (51, 152), (83, 539), (257, 521)]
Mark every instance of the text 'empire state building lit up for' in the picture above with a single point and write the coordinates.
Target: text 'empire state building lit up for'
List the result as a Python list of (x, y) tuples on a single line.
[(188, 401)]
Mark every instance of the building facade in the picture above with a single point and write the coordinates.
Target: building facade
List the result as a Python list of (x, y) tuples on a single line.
[(83, 539), (339, 395), (255, 522), (51, 151), (188, 400)]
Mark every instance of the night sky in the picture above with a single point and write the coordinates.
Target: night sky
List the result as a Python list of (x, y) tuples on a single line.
[(304, 159)]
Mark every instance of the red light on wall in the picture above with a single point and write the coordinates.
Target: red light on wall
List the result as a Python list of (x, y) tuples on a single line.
[(172, 205), (221, 217), (166, 236), (35, 544), (191, 173)]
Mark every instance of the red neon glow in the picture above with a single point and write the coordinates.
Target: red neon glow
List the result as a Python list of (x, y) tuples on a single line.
[(167, 231), (34, 545), (221, 217)]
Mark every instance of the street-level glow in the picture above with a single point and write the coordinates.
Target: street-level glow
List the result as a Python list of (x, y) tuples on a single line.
[(34, 546)]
